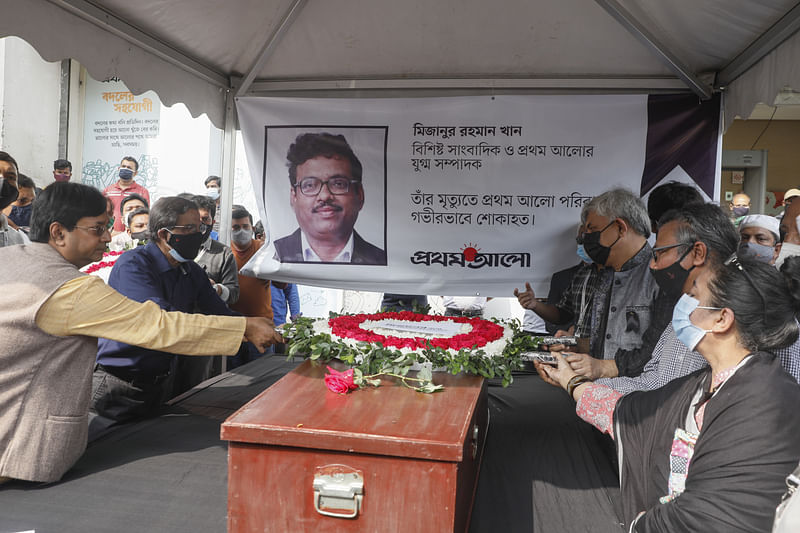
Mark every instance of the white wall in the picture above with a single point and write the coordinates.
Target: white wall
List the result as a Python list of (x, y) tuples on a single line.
[(29, 106)]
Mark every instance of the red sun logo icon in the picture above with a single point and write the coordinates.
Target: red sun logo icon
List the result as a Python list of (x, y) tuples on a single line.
[(470, 251)]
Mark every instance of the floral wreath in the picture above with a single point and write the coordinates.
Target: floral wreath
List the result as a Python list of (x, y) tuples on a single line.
[(108, 260), (491, 349), (482, 332)]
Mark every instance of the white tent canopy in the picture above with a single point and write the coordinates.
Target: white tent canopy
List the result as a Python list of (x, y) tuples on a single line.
[(203, 52)]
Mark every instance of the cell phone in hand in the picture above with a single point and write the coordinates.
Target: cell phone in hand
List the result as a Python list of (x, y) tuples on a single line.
[(546, 358), (566, 341)]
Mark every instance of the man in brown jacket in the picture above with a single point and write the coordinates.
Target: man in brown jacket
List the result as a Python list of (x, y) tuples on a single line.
[(52, 316)]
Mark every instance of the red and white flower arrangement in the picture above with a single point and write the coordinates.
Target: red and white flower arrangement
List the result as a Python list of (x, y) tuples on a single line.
[(475, 332), (103, 267), (395, 343)]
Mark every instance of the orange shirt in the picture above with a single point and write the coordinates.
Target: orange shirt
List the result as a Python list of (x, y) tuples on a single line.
[(117, 194), (254, 295)]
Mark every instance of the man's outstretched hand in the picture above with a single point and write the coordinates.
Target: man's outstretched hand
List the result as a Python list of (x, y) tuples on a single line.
[(261, 332)]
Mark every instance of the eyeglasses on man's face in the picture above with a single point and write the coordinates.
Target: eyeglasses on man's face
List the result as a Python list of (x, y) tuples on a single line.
[(658, 251), (190, 228), (99, 229), (312, 186)]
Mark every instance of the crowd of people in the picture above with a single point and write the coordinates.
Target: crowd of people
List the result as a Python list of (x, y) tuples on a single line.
[(693, 360), (83, 353), (688, 353)]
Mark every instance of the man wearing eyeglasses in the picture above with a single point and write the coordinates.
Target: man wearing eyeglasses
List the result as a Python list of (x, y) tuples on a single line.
[(625, 309), (53, 314), (326, 195), (689, 241), (130, 381)]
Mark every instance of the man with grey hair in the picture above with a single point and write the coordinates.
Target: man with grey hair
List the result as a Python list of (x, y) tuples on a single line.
[(690, 240), (132, 382), (616, 228)]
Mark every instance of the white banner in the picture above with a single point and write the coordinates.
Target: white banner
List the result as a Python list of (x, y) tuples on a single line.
[(457, 196)]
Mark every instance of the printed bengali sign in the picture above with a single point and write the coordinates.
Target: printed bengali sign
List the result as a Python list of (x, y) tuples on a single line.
[(459, 196), (439, 329)]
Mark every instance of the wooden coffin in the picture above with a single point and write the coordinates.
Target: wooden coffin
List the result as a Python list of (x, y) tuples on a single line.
[(302, 458)]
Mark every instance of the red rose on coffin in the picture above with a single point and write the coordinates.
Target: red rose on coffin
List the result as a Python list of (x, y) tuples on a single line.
[(340, 382)]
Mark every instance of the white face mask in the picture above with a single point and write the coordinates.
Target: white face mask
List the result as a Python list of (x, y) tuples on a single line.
[(242, 237), (787, 250), (212, 193)]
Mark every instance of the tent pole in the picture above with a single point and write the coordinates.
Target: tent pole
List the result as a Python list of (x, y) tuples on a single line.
[(228, 167), (473, 85), (271, 43), (644, 36), (228, 176)]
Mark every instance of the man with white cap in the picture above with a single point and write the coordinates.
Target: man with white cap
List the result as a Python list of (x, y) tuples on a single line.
[(788, 197), (759, 238)]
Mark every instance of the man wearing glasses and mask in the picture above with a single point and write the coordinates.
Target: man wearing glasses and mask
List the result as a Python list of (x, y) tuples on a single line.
[(326, 195), (53, 315), (131, 382)]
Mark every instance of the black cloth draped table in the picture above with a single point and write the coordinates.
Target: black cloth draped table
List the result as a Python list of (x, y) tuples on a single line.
[(543, 468)]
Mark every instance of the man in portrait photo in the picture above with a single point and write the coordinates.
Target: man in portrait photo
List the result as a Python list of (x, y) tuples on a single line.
[(326, 195)]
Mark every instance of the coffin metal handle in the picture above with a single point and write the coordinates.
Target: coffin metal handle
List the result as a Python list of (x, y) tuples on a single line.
[(340, 485)]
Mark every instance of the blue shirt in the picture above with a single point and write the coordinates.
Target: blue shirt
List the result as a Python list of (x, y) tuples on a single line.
[(145, 274), (280, 298)]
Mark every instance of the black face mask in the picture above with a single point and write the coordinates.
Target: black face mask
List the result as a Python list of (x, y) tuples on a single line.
[(8, 193), (207, 232), (21, 215), (140, 235), (671, 279), (125, 174), (188, 245), (592, 246)]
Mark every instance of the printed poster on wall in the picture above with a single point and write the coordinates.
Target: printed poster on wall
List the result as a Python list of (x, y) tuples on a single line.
[(117, 124), (462, 195)]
